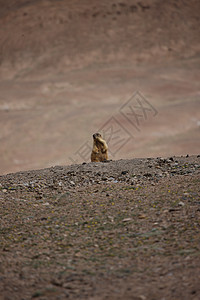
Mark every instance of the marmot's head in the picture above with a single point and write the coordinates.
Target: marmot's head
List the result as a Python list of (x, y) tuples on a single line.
[(97, 136)]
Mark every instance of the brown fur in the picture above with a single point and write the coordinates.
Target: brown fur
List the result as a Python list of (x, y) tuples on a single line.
[(100, 149)]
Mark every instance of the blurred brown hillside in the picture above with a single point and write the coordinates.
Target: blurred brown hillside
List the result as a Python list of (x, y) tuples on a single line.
[(66, 67)]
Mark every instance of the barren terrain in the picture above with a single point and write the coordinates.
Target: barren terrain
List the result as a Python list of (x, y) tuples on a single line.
[(127, 229), (67, 68)]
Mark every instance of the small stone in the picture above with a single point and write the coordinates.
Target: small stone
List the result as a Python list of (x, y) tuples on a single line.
[(181, 203), (148, 175), (111, 178), (127, 220), (186, 194), (111, 218), (142, 297), (173, 209), (124, 172), (4, 191), (72, 182), (142, 216)]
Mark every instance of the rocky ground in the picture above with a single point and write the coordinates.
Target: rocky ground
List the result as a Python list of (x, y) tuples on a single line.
[(126, 229)]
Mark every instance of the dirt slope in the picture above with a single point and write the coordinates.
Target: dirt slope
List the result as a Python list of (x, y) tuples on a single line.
[(46, 35), (127, 229), (68, 34), (67, 67)]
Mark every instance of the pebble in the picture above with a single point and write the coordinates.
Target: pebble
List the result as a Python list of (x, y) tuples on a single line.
[(124, 172), (142, 297), (111, 218), (126, 220), (111, 178), (142, 216), (72, 182), (186, 194)]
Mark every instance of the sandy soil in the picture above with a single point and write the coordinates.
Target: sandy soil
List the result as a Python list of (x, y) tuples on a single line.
[(126, 229)]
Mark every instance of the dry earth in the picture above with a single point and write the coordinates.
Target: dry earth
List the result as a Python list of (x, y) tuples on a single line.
[(126, 229), (67, 67)]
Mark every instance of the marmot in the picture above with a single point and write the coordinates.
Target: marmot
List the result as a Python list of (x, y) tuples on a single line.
[(100, 149)]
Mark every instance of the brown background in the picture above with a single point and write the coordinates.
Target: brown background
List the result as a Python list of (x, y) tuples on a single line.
[(67, 67)]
